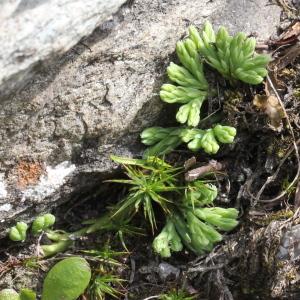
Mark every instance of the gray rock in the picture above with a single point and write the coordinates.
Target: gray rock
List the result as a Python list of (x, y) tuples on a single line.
[(40, 30), (290, 244), (58, 131)]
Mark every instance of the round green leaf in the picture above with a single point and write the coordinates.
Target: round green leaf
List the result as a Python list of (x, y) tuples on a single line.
[(9, 294), (67, 280)]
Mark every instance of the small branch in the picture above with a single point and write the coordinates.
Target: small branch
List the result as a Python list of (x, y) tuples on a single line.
[(205, 269), (297, 196), (194, 174)]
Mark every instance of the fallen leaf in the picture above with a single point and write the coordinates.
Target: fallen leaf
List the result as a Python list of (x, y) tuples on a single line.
[(289, 36), (189, 163), (270, 105), (289, 56)]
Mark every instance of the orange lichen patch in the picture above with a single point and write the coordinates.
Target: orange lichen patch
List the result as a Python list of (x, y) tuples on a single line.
[(29, 173)]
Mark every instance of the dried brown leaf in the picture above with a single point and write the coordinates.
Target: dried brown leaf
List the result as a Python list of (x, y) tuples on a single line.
[(289, 56), (291, 34), (190, 163), (270, 105)]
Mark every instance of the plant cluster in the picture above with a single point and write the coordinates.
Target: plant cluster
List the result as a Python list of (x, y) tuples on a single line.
[(18, 233), (196, 228), (234, 57), (191, 219), (42, 223)]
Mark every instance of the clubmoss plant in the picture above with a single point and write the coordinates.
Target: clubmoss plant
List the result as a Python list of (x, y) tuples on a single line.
[(198, 228), (62, 240), (164, 140), (233, 56), (167, 240), (190, 89), (18, 233)]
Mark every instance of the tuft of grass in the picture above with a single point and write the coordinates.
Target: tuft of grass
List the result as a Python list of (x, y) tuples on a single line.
[(107, 256), (103, 285), (151, 181)]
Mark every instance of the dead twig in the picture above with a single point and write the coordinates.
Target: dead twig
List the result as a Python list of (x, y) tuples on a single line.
[(10, 264), (297, 196), (203, 269), (211, 167), (132, 274)]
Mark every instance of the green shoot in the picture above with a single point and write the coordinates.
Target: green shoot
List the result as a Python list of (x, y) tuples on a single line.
[(198, 193), (63, 240), (161, 139), (176, 295), (32, 263), (103, 285), (106, 256)]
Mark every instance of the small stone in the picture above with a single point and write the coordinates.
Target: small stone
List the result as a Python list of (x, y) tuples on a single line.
[(167, 271), (290, 244)]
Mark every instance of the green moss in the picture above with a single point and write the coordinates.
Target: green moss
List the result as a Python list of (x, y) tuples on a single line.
[(275, 216)]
